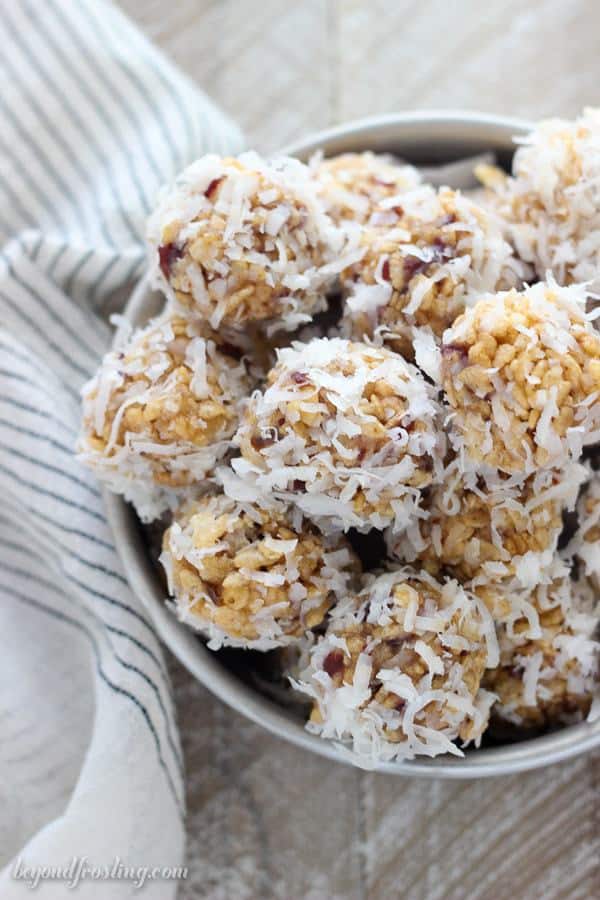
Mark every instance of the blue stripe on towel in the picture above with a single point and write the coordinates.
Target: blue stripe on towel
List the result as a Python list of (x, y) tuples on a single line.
[(95, 121)]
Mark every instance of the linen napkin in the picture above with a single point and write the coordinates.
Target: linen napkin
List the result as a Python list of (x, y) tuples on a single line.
[(91, 777)]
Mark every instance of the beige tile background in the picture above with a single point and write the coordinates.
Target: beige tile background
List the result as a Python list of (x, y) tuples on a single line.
[(283, 68), (266, 820)]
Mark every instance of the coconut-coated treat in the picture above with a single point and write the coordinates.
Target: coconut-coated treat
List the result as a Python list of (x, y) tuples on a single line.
[(243, 240), (247, 577), (347, 432), (521, 375), (161, 412), (552, 202), (508, 532), (398, 672), (549, 656), (435, 252), (354, 185)]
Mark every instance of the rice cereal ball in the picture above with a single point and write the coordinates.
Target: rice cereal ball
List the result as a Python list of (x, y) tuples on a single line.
[(397, 673), (505, 533), (521, 374), (437, 251), (353, 185), (244, 240), (552, 202), (246, 577), (549, 662), (346, 431), (161, 412)]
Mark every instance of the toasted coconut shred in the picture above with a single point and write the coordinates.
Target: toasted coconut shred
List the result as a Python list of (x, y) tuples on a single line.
[(347, 432), (351, 358)]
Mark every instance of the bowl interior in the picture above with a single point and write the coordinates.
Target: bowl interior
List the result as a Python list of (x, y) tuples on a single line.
[(238, 677)]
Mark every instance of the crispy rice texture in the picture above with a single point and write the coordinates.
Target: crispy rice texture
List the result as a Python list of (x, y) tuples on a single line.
[(162, 410), (422, 262), (399, 668), (505, 534), (350, 358), (549, 664), (346, 431), (551, 203), (247, 577), (521, 375), (354, 186), (242, 240)]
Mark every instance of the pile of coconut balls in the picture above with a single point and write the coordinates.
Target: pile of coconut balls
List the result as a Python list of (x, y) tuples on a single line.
[(346, 352)]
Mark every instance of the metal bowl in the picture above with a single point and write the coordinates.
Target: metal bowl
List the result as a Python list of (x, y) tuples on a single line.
[(421, 138)]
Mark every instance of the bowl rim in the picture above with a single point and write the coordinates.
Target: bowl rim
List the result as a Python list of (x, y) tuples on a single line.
[(443, 123), (530, 753)]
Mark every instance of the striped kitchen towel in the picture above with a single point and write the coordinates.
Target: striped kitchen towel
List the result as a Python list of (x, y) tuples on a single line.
[(94, 121)]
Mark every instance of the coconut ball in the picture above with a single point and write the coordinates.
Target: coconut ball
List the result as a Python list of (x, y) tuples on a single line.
[(419, 267), (251, 578), (397, 673), (353, 185), (552, 202), (521, 374), (244, 240), (161, 412), (346, 431), (508, 532), (549, 657)]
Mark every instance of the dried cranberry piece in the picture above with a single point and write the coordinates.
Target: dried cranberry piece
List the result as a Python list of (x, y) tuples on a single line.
[(212, 187), (448, 219), (426, 463), (441, 251), (167, 255), (397, 643), (299, 486), (212, 594), (259, 442), (451, 349), (413, 266), (385, 270), (334, 663), (299, 378)]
